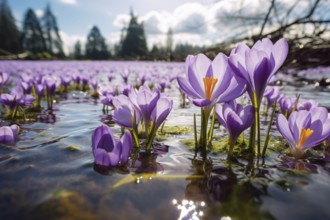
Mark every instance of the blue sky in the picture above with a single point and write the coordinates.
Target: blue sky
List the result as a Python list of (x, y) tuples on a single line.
[(198, 22)]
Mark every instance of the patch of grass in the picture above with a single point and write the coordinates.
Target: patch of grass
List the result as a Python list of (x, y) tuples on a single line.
[(175, 130), (73, 148)]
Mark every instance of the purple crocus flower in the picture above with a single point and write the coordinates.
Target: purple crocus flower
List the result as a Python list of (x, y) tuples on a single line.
[(3, 79), (66, 81), (144, 101), (161, 111), (304, 129), (111, 76), (94, 84), (124, 112), (271, 94), (39, 89), (286, 105), (8, 134), (16, 98), (125, 74), (107, 151), (50, 84), (307, 105), (209, 82), (235, 119), (27, 87), (258, 64)]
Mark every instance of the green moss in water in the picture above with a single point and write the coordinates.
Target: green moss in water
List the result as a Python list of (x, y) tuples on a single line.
[(62, 193), (221, 145), (175, 130), (73, 148), (190, 143), (45, 134), (63, 204), (160, 138)]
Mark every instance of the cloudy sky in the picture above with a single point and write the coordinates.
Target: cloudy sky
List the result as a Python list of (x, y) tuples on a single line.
[(197, 22)]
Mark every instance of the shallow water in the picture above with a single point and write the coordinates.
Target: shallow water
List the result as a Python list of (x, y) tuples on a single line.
[(50, 173)]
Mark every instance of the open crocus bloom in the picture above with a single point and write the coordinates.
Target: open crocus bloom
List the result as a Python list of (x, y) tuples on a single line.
[(304, 129), (8, 134), (234, 118), (209, 82), (107, 151)]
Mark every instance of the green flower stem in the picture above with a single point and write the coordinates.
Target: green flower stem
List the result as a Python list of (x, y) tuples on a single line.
[(231, 148), (135, 138), (134, 131), (210, 134), (195, 132), (268, 130), (252, 140), (23, 111), (256, 106), (151, 136), (205, 114), (295, 104), (14, 113)]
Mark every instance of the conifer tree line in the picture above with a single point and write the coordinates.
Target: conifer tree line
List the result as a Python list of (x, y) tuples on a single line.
[(39, 38)]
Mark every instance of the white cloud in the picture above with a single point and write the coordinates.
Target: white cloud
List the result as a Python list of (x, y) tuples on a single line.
[(199, 23), (121, 20), (39, 12), (69, 2), (70, 40)]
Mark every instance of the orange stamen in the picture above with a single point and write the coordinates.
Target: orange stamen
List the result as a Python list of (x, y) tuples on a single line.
[(209, 85), (304, 135)]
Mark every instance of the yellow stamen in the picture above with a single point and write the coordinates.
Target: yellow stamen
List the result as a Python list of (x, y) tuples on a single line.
[(304, 135), (209, 85)]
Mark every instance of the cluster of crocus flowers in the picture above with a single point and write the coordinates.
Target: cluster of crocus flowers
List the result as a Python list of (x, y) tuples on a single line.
[(304, 129), (143, 111), (207, 83), (256, 66), (8, 134), (16, 102), (235, 118), (107, 150)]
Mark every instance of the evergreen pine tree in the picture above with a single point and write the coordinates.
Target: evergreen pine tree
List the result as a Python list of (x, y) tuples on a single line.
[(135, 44), (77, 51), (32, 36), (96, 48), (54, 44), (9, 34), (169, 44)]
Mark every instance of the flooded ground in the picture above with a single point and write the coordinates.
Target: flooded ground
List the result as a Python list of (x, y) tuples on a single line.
[(50, 172)]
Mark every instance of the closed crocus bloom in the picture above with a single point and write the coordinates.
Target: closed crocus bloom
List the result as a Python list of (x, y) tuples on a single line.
[(304, 129), (286, 105), (258, 64), (3, 78), (8, 134), (209, 82), (125, 113), (161, 111), (50, 84), (107, 151), (235, 119), (271, 94), (144, 100), (307, 105)]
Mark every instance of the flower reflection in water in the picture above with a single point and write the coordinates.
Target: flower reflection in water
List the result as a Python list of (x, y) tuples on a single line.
[(189, 210)]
